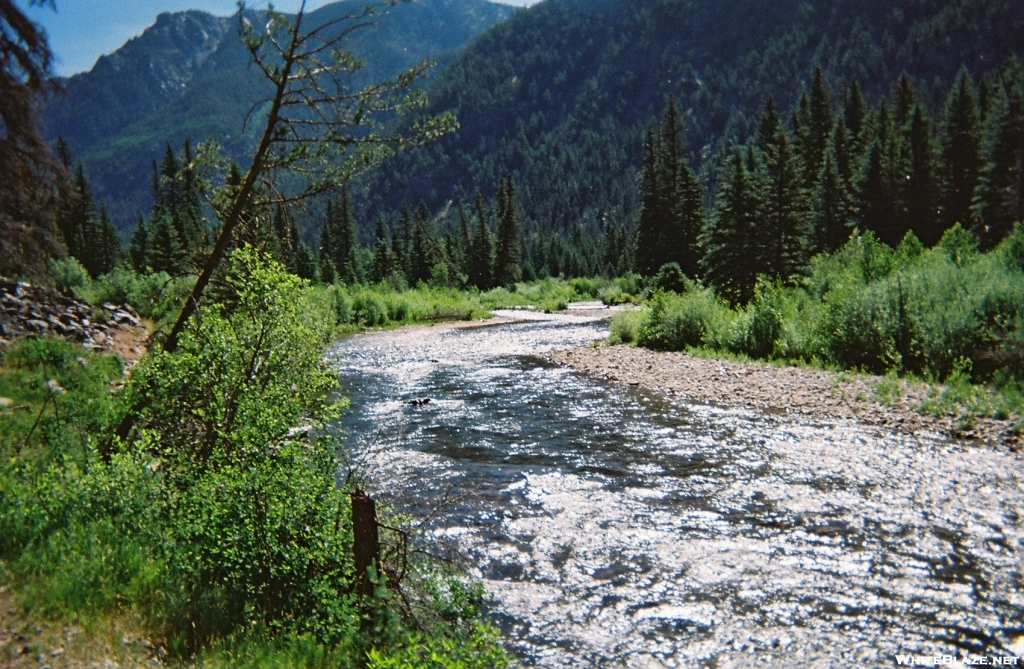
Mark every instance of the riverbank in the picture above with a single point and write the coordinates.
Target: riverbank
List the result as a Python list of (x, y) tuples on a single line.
[(884, 402)]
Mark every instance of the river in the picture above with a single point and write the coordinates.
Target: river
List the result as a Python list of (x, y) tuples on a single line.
[(613, 527)]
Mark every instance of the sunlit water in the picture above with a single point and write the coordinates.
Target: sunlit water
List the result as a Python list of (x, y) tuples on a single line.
[(615, 528)]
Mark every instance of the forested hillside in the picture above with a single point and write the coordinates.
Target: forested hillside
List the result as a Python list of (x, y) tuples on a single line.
[(559, 96), (189, 77)]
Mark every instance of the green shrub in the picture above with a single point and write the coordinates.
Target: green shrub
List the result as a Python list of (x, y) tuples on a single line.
[(68, 275), (670, 278), (626, 327), (369, 310)]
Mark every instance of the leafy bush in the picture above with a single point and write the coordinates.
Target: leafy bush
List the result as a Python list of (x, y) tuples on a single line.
[(670, 278), (68, 275), (220, 519)]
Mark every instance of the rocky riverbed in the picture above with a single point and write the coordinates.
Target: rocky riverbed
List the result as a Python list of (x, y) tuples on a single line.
[(872, 401)]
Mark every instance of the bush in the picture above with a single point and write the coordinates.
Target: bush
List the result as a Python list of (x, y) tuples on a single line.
[(369, 310), (68, 275), (670, 278), (626, 327)]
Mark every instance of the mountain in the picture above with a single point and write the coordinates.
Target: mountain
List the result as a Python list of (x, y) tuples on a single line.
[(188, 76), (560, 94)]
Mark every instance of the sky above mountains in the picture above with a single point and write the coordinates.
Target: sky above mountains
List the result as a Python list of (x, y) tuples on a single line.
[(80, 31)]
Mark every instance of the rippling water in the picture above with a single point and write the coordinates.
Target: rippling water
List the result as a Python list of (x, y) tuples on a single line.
[(616, 528)]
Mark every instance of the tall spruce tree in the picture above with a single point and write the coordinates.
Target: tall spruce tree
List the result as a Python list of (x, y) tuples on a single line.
[(728, 239), (650, 232), (819, 129), (831, 206), (782, 208), (107, 246), (382, 259), (344, 244), (481, 258), (421, 249), (507, 252), (923, 191), (855, 116), (999, 201), (138, 247), (961, 152)]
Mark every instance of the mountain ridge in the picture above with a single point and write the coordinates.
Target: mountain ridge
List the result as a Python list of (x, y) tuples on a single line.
[(574, 101), (186, 77)]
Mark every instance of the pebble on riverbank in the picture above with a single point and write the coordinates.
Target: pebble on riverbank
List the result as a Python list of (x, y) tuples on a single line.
[(800, 391)]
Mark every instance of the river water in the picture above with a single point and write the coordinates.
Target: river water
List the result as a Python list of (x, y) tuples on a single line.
[(613, 527)]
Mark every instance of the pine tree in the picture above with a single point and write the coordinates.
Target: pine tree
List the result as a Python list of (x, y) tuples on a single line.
[(855, 116), (108, 244), (190, 201), (481, 257), (819, 129), (507, 252), (832, 208), (460, 248), (923, 191), (282, 242), (165, 249), (728, 238), (999, 201), (382, 260), (421, 256), (346, 244), (649, 235), (961, 152), (904, 102), (305, 262), (75, 225), (781, 202), (138, 248), (875, 200)]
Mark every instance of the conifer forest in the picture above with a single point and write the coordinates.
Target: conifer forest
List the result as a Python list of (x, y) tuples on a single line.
[(558, 333)]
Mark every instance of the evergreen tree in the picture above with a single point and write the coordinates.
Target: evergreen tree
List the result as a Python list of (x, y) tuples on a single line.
[(382, 260), (190, 201), (650, 234), (165, 249), (904, 102), (819, 129), (507, 252), (728, 238), (326, 271), (923, 191), (855, 116), (75, 220), (961, 152), (305, 262), (421, 256), (481, 257), (461, 244), (138, 247), (108, 244), (876, 211), (283, 244), (782, 205), (999, 201), (832, 206), (345, 254)]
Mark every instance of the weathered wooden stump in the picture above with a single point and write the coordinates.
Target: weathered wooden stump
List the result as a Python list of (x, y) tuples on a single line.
[(365, 540)]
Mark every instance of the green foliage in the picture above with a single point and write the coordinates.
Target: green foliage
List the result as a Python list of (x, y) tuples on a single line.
[(219, 522), (670, 278), (865, 307), (67, 274)]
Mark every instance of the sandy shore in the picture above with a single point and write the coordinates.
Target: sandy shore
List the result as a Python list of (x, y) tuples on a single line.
[(804, 392)]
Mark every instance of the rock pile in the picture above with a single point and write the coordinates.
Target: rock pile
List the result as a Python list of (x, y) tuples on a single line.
[(27, 310)]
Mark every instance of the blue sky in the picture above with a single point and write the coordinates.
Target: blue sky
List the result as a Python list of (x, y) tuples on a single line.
[(82, 30)]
